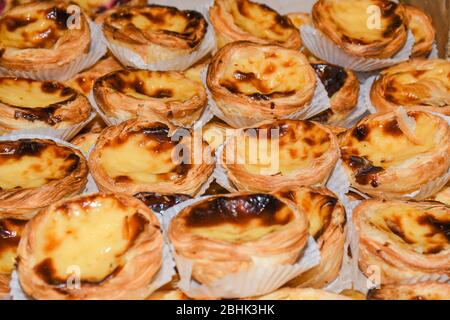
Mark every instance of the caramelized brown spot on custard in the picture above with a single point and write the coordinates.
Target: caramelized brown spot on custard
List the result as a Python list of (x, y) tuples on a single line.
[(10, 231), (160, 202), (332, 77), (394, 224), (238, 210), (392, 128), (361, 132), (22, 147), (436, 226), (364, 168)]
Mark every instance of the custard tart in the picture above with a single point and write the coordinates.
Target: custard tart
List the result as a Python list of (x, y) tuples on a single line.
[(418, 82), (363, 28), (327, 225), (155, 33), (428, 290), (280, 155), (403, 240), (35, 173), (10, 233), (39, 35), (244, 20), (169, 95), (30, 104), (98, 246), (398, 155), (143, 156), (301, 294), (227, 234), (251, 83), (421, 25)]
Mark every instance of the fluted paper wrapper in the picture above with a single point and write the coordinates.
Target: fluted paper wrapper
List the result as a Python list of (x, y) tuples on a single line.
[(67, 71), (327, 50)]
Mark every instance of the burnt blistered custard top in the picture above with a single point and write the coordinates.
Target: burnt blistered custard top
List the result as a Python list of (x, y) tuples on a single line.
[(237, 219), (161, 202), (142, 156), (414, 83), (33, 163), (151, 85), (34, 100), (10, 232), (333, 77), (282, 147), (34, 29), (424, 229), (377, 145), (162, 24), (93, 233), (259, 20), (266, 74)]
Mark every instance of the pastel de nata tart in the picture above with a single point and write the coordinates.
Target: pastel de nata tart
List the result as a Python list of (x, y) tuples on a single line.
[(421, 25), (280, 155), (170, 95), (397, 155), (98, 246), (405, 240), (349, 25), (31, 104), (415, 83), (232, 233), (86, 140), (143, 156), (327, 225), (154, 32), (161, 202), (38, 36), (10, 233), (342, 87), (244, 20), (428, 290), (301, 294), (84, 81), (251, 83), (35, 173)]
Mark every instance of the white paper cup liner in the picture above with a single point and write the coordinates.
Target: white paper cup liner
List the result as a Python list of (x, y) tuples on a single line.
[(64, 133), (434, 54), (358, 113), (327, 50), (366, 88), (67, 71)]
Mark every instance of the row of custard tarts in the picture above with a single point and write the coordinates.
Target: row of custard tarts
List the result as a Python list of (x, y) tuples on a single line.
[(105, 274)]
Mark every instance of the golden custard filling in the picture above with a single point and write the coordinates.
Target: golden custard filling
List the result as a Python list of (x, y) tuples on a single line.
[(354, 19), (153, 85), (259, 20), (143, 156), (425, 230), (90, 235), (385, 145), (237, 219), (265, 74), (33, 29), (10, 232), (32, 164), (282, 148), (409, 85), (26, 93)]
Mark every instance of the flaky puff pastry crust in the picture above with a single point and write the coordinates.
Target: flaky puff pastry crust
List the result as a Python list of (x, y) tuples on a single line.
[(394, 155), (416, 83), (428, 290), (170, 95), (443, 195), (86, 140), (232, 233), (379, 33), (402, 240), (38, 36), (244, 20), (421, 25), (301, 294), (327, 225), (251, 83), (154, 32), (280, 155), (31, 104), (35, 173), (143, 156), (40, 266)]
